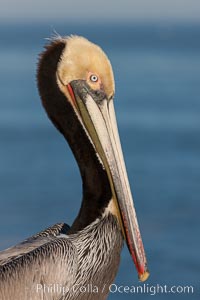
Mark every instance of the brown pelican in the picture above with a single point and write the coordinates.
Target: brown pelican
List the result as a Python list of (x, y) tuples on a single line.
[(76, 85)]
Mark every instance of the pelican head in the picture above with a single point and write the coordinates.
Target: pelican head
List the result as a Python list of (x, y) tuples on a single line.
[(77, 88)]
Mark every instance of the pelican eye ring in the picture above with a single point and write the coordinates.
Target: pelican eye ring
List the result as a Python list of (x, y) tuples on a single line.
[(94, 78)]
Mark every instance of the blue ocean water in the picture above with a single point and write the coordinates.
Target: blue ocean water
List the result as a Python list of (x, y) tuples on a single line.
[(157, 73)]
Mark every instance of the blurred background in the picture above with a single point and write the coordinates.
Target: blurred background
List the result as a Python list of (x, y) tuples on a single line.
[(154, 47)]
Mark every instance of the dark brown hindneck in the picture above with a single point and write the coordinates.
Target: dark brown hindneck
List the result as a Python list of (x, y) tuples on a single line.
[(96, 187)]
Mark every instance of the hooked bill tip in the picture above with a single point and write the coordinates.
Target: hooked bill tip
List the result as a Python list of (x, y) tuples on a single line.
[(144, 276)]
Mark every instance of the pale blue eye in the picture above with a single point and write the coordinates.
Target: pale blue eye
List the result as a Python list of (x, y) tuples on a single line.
[(94, 78)]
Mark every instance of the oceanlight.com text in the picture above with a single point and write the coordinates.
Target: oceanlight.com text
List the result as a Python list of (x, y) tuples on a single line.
[(151, 289)]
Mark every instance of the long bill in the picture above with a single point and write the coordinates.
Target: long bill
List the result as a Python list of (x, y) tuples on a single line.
[(99, 120)]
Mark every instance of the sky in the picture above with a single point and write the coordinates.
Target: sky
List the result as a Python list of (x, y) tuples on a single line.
[(100, 10)]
